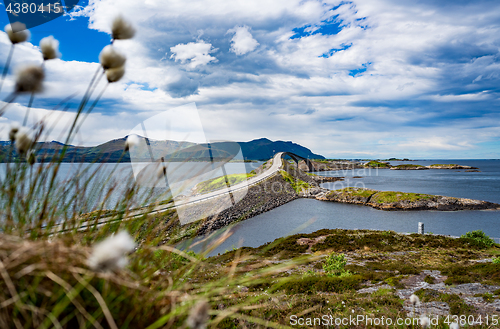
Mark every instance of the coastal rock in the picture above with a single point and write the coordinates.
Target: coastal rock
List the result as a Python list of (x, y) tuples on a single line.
[(388, 200), (260, 198), (409, 167), (327, 165), (449, 166), (349, 195)]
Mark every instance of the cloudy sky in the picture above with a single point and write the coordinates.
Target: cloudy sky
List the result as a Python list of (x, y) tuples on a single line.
[(357, 79)]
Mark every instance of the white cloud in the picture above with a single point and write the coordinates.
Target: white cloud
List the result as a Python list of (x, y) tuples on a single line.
[(242, 41), (423, 62), (197, 53)]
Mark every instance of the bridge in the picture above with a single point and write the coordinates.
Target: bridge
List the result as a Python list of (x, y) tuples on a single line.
[(296, 158), (273, 170)]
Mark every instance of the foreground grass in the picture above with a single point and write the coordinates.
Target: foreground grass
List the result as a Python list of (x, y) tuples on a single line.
[(384, 259)]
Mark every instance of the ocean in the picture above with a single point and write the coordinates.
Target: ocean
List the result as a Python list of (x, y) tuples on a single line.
[(309, 215)]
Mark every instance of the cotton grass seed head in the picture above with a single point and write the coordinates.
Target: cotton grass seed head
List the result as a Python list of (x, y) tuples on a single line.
[(425, 322), (121, 29), (198, 316), (110, 254), (111, 58), (454, 325), (132, 140), (17, 32), (50, 48), (115, 74), (14, 128), (414, 300), (23, 140), (29, 79)]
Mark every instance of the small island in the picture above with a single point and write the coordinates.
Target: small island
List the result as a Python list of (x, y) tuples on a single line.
[(386, 165), (409, 167), (391, 200)]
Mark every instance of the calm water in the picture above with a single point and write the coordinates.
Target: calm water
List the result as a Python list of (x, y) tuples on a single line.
[(308, 215), (119, 177)]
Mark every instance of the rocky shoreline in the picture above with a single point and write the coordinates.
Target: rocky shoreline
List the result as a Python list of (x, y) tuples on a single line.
[(260, 198), (279, 190), (399, 200)]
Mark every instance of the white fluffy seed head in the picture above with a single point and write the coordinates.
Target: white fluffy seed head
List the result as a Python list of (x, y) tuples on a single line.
[(115, 74), (454, 325), (111, 58), (198, 316), (30, 79), (414, 300), (121, 29), (17, 32), (425, 322), (14, 128), (132, 140), (23, 140), (50, 48), (110, 254)]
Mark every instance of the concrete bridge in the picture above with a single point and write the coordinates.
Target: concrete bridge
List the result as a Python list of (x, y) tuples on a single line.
[(296, 158), (274, 169)]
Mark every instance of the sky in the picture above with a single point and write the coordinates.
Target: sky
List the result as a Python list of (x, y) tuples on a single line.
[(347, 79)]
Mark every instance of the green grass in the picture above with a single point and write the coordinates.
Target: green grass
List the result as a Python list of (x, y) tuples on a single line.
[(297, 184), (442, 165), (353, 191), (391, 197), (479, 237), (377, 164), (409, 166), (220, 182)]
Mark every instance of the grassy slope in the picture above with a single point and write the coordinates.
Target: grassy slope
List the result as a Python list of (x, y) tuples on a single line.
[(375, 257), (297, 184), (383, 196), (409, 166), (391, 196), (220, 182), (377, 164)]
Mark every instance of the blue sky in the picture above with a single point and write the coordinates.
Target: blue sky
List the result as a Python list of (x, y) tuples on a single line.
[(355, 79)]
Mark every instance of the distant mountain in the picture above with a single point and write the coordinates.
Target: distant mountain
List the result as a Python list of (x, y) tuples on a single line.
[(264, 149), (112, 151)]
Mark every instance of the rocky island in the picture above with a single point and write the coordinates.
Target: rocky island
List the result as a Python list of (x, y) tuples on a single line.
[(390, 200)]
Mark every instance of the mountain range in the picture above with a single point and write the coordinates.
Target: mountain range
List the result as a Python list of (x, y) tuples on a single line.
[(113, 151)]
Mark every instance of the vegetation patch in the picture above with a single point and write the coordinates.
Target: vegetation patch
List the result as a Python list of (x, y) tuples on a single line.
[(392, 197), (297, 184), (478, 238), (377, 164), (353, 192), (443, 165), (314, 284), (487, 273), (456, 304), (221, 182), (408, 166), (334, 266)]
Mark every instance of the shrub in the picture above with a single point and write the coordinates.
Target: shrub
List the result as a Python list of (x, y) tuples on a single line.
[(478, 238), (496, 260), (335, 266)]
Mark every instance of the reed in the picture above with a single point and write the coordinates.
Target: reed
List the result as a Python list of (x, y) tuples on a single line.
[(71, 256)]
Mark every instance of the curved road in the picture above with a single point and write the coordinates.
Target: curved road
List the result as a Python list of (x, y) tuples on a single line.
[(270, 172)]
